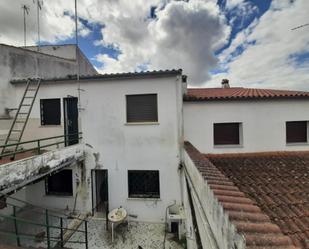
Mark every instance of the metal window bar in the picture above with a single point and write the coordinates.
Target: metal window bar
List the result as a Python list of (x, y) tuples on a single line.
[(38, 146), (48, 238)]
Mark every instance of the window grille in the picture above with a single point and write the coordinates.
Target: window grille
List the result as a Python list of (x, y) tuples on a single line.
[(144, 184)]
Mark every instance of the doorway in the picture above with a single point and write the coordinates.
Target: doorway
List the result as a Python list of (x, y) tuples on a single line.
[(70, 120), (100, 192)]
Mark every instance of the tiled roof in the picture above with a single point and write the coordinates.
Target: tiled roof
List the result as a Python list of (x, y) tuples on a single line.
[(249, 219), (278, 183), (107, 76), (238, 93)]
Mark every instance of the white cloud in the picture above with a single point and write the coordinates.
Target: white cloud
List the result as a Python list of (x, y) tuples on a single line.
[(268, 45), (230, 4), (55, 25), (184, 35)]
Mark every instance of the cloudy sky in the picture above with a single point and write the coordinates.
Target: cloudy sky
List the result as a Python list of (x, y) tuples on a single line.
[(250, 42)]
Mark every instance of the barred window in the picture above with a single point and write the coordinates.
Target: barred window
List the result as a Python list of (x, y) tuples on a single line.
[(142, 108), (144, 184)]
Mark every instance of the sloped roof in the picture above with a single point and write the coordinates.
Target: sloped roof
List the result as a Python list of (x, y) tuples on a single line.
[(278, 183), (258, 229), (108, 76), (238, 93)]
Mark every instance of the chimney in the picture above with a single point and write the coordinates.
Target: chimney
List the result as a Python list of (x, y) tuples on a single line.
[(225, 83)]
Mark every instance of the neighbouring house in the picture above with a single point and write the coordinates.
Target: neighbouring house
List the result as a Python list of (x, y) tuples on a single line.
[(104, 141), (247, 165), (236, 119), (132, 121)]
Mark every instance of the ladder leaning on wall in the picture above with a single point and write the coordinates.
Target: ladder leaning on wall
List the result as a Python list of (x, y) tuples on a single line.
[(22, 115)]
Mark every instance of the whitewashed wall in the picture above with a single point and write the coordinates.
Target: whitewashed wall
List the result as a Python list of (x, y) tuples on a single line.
[(122, 146), (263, 123), (137, 147)]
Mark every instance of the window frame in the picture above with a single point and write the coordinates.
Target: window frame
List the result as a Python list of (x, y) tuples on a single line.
[(144, 195), (154, 121), (288, 142), (227, 144), (43, 122), (56, 193)]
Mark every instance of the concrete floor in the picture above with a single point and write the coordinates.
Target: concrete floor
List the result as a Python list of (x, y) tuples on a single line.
[(35, 215), (135, 236), (138, 235)]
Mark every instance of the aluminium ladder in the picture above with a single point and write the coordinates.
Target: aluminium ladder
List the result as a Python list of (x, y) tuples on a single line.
[(22, 115)]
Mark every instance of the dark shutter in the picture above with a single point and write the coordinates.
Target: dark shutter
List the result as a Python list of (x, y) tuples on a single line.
[(142, 108), (60, 183), (50, 112), (296, 131), (144, 183), (226, 133)]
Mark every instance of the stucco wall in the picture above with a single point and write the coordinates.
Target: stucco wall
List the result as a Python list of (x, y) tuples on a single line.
[(18, 63), (68, 52), (122, 146), (63, 51), (137, 147), (263, 123)]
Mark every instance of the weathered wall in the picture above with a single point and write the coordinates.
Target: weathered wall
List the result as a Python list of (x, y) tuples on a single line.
[(63, 51), (18, 63), (122, 146), (68, 51), (263, 123)]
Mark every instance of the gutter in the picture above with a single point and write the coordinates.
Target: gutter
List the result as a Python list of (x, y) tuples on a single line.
[(100, 77)]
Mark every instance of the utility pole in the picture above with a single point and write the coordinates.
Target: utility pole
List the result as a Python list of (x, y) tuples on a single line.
[(39, 4), (25, 9), (76, 39), (77, 59)]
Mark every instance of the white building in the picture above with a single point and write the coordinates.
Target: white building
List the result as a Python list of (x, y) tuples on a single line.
[(132, 152), (130, 148), (238, 120)]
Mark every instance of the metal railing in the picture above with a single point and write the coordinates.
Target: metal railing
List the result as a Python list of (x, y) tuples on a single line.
[(51, 241), (39, 145)]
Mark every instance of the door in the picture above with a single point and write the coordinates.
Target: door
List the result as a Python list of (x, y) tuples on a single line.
[(100, 190), (70, 120)]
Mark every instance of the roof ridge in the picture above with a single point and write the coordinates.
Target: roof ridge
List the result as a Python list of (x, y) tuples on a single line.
[(240, 208), (240, 93), (106, 76), (255, 154)]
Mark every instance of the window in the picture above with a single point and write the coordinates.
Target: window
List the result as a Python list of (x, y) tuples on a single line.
[(296, 132), (144, 184), (142, 108), (226, 133), (50, 111), (60, 183)]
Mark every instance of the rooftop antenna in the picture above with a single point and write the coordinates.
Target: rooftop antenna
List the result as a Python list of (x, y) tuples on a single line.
[(39, 4), (76, 39), (301, 26), (25, 9), (77, 58)]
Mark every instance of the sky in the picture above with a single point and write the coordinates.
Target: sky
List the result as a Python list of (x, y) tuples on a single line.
[(250, 42)]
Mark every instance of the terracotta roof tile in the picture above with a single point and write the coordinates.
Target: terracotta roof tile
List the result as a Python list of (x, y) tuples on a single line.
[(202, 94), (243, 210), (278, 182)]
